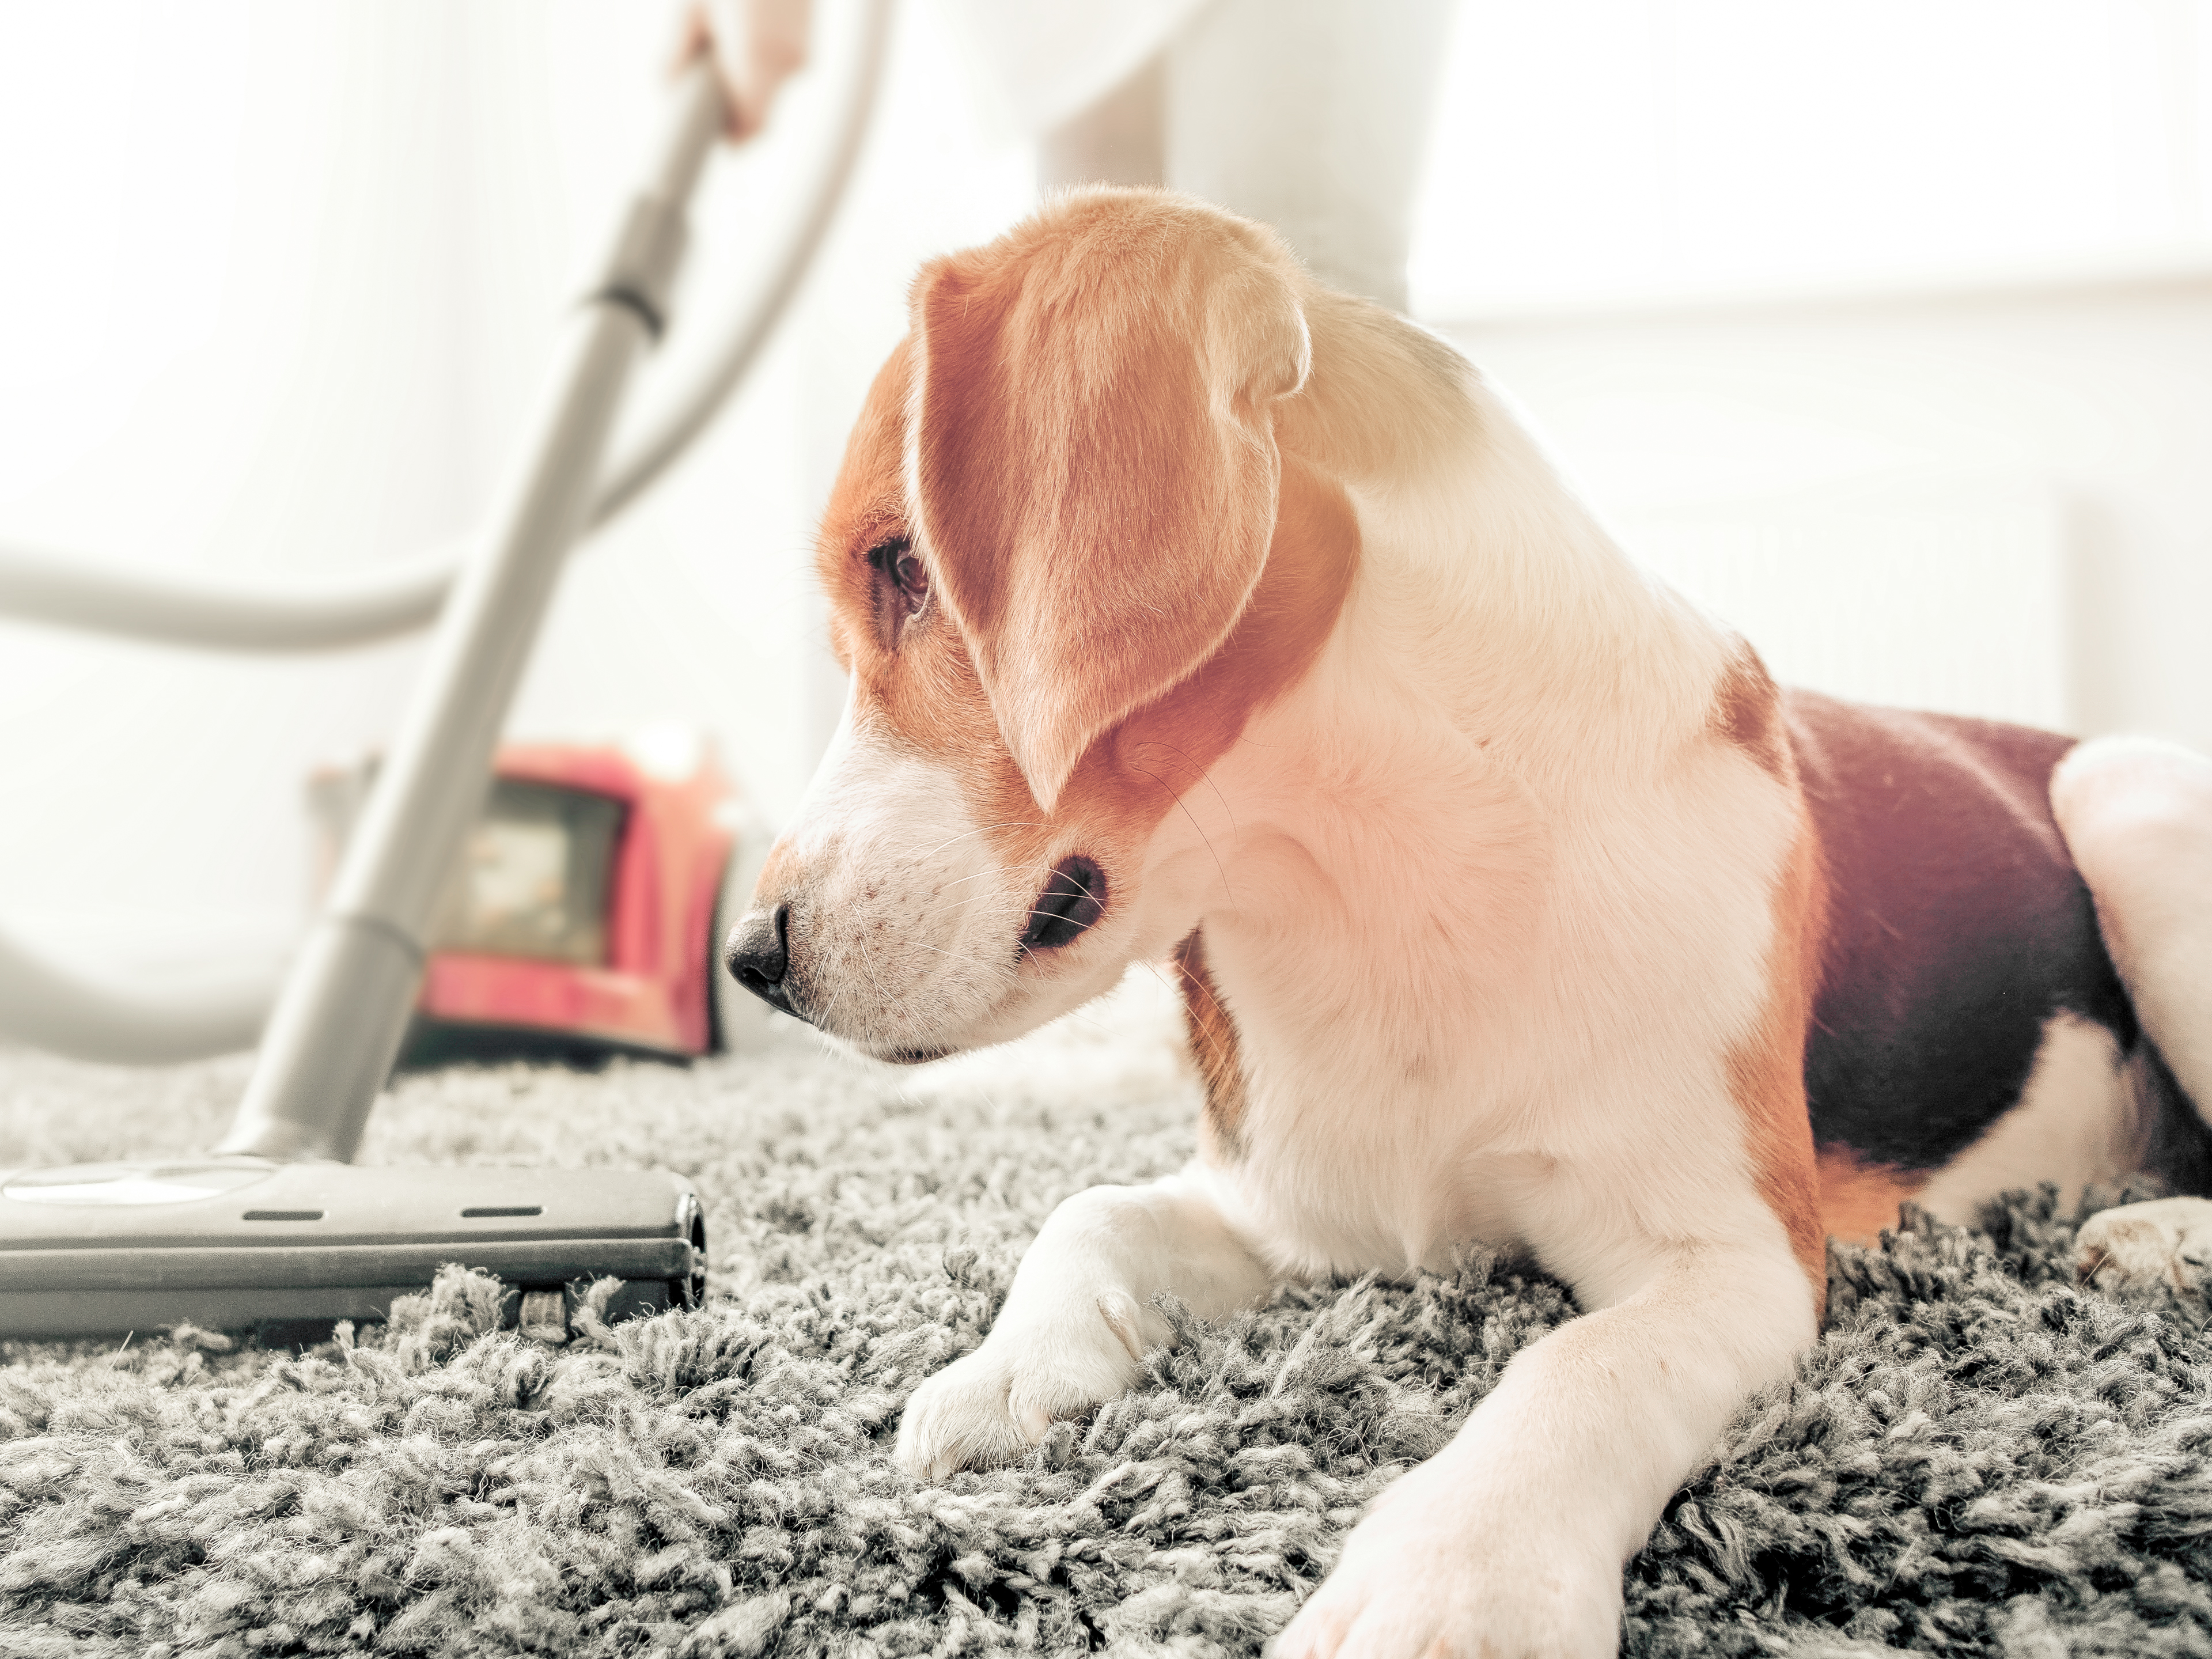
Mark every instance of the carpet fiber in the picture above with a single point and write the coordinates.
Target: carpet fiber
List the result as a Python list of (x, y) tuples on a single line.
[(1977, 1459)]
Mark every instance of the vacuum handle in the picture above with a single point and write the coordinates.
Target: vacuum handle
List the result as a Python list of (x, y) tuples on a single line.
[(343, 1012)]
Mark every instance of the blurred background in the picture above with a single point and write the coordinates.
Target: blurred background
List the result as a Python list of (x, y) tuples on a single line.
[(1886, 330)]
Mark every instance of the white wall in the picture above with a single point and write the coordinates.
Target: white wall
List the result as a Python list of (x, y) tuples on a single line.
[(1610, 148), (226, 344), (2096, 398)]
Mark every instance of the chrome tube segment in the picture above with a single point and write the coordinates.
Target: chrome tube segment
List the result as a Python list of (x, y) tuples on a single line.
[(636, 472), (340, 1017)]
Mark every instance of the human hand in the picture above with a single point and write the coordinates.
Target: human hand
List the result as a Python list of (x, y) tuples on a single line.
[(755, 45)]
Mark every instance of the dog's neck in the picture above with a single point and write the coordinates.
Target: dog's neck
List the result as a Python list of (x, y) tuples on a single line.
[(1502, 677), (1486, 589)]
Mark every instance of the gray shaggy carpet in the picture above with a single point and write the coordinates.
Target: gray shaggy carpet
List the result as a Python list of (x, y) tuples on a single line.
[(1979, 1458)]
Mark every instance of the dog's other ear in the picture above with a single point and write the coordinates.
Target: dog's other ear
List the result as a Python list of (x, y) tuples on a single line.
[(1091, 456)]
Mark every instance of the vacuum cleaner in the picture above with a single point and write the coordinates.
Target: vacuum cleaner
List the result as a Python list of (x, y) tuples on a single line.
[(275, 1228)]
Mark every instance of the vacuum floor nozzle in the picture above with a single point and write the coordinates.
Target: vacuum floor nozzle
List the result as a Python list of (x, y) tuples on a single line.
[(97, 1250)]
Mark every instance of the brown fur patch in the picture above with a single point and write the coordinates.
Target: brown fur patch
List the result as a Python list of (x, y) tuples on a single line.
[(1310, 562), (1767, 1074), (1747, 712), (1858, 1199), (1214, 1048)]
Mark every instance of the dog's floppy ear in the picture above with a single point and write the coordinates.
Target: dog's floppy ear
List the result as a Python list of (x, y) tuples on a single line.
[(1092, 454)]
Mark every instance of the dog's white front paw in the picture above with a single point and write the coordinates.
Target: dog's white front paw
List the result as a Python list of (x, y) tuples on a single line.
[(1422, 1577), (2169, 1239), (991, 1407)]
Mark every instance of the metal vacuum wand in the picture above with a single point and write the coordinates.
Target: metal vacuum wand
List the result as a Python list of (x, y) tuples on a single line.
[(343, 1012)]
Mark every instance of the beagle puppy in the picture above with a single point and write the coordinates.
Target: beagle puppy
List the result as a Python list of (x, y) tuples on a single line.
[(1197, 614)]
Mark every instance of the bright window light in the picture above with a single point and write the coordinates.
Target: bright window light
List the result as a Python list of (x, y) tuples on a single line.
[(1617, 149)]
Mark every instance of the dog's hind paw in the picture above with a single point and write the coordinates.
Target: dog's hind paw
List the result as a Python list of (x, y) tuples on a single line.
[(2167, 1240)]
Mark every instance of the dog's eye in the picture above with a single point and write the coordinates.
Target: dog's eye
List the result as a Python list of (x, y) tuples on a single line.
[(911, 579), (904, 575)]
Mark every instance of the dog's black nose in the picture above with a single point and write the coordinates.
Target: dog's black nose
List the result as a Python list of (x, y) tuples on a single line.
[(1073, 899), (758, 954)]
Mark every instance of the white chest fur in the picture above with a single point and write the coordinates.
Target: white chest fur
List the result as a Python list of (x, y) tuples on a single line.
[(1483, 990)]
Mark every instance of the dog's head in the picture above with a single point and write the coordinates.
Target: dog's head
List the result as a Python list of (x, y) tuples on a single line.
[(1066, 559)]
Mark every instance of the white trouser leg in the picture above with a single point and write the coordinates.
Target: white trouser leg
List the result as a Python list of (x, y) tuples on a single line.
[(1311, 116), (2137, 817)]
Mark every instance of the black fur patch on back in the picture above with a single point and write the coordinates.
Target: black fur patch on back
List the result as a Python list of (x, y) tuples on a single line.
[(1957, 925)]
